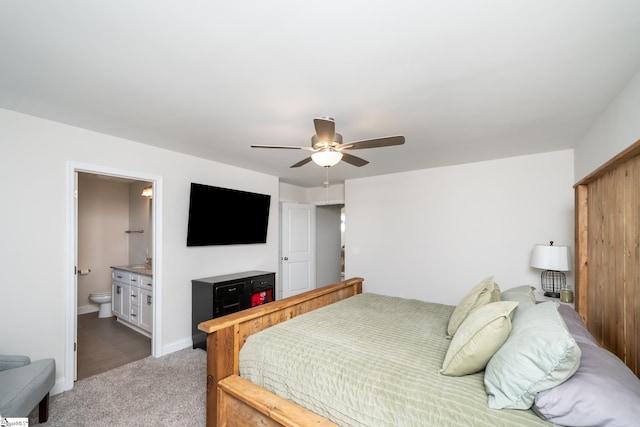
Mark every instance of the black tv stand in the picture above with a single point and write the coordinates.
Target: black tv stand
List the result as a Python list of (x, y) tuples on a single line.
[(217, 296)]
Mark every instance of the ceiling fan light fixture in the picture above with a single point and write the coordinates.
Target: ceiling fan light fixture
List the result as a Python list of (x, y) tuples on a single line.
[(326, 158), (328, 148)]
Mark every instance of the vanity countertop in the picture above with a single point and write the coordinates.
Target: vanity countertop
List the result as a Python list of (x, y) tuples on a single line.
[(137, 268)]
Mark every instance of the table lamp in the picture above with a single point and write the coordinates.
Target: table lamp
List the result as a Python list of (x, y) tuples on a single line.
[(553, 260)]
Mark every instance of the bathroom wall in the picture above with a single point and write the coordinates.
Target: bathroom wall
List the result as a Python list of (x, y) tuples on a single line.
[(140, 244), (103, 216)]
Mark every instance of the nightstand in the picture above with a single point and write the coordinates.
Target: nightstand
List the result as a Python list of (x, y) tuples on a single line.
[(540, 298)]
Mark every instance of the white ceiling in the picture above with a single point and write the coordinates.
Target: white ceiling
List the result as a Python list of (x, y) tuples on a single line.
[(463, 81)]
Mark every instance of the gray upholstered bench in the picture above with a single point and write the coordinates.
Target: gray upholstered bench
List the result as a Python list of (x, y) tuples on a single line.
[(24, 384)]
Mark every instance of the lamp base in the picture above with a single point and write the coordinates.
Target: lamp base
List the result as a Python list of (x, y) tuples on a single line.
[(551, 282)]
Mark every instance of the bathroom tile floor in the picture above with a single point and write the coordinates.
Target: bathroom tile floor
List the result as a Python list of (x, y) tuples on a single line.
[(105, 344)]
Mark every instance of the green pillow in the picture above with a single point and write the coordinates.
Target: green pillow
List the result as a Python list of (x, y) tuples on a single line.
[(481, 334), (539, 354), (520, 294), (483, 293), (525, 295)]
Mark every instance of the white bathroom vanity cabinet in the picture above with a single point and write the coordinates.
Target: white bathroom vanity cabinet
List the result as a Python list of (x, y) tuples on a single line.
[(132, 298)]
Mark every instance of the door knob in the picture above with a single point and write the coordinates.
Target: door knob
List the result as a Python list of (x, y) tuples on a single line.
[(286, 258)]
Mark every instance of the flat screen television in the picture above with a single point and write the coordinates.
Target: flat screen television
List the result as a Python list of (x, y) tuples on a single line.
[(222, 216)]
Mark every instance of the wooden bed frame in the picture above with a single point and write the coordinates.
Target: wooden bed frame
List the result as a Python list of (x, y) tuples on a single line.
[(607, 261), (233, 401)]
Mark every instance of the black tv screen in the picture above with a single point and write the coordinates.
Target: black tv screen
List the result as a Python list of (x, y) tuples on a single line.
[(222, 216)]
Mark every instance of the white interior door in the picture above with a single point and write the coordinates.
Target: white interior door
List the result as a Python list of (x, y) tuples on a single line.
[(298, 248)]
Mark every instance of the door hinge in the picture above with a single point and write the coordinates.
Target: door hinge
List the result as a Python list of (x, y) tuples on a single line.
[(75, 346)]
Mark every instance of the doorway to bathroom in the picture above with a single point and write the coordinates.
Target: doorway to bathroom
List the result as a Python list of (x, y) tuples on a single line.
[(114, 229), (110, 223)]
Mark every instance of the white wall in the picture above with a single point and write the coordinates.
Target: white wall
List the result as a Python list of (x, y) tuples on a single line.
[(320, 196), (312, 196), (292, 193), (617, 128), (432, 234), (33, 166)]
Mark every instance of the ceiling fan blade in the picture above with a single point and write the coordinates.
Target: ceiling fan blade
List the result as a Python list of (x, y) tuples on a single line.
[(353, 160), (301, 163), (386, 141), (286, 147), (325, 129)]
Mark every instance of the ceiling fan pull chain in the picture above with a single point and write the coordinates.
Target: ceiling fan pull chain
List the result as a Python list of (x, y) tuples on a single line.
[(326, 183)]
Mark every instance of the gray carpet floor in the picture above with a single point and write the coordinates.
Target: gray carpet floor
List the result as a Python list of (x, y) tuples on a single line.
[(167, 391)]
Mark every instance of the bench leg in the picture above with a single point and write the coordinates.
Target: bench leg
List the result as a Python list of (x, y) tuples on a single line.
[(43, 409)]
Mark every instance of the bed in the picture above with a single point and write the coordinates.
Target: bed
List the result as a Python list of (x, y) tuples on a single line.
[(372, 360), (395, 375), (593, 398)]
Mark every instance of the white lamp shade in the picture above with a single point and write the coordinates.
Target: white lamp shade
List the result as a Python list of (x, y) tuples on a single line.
[(326, 158), (546, 257)]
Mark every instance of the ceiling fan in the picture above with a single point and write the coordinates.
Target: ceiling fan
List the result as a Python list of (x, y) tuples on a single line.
[(328, 149)]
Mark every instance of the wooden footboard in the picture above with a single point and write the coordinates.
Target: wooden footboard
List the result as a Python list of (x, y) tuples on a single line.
[(241, 403), (233, 402)]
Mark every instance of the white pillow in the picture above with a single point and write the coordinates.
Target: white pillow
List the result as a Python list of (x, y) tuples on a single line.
[(539, 354)]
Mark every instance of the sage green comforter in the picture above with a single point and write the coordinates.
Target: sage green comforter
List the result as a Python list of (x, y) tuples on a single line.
[(372, 360)]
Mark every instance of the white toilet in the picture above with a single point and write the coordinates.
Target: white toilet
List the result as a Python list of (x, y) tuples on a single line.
[(104, 299)]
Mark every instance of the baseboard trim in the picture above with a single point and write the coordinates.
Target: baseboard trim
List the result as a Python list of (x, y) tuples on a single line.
[(176, 346), (59, 386), (85, 309)]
